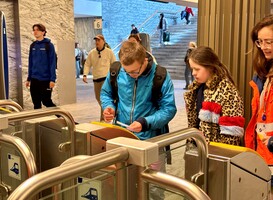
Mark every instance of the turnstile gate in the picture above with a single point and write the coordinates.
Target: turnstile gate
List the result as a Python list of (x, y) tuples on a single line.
[(234, 173)]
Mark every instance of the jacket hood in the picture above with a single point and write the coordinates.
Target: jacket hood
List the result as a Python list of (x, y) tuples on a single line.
[(150, 64), (45, 40)]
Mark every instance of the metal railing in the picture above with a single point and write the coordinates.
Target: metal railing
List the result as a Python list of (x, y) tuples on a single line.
[(12, 104), (24, 115), (23, 148), (57, 175), (79, 165), (28, 158), (175, 184), (171, 138)]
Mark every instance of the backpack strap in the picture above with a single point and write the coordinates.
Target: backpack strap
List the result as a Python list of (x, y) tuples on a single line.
[(114, 70), (159, 78), (47, 47)]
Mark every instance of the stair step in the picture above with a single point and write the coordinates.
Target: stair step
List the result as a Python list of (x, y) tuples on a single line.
[(172, 54)]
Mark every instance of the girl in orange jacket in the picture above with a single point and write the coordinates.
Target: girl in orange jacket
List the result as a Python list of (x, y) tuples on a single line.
[(259, 131)]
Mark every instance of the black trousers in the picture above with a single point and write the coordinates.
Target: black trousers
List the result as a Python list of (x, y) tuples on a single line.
[(41, 93)]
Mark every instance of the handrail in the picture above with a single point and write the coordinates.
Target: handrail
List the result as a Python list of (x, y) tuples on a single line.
[(175, 184), (15, 106), (49, 178), (24, 115), (23, 148), (177, 136)]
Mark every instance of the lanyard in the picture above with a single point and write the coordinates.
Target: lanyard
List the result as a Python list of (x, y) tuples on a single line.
[(264, 97)]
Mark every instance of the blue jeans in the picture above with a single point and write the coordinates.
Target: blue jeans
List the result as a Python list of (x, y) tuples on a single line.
[(78, 69), (160, 36)]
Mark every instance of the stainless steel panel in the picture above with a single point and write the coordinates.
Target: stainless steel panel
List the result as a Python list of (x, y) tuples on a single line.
[(233, 173), (218, 179), (246, 186), (43, 136), (246, 159), (49, 140), (191, 164)]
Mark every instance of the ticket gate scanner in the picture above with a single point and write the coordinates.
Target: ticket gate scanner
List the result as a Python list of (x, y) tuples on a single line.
[(49, 140), (234, 173)]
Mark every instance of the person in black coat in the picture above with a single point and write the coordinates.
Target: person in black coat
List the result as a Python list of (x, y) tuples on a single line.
[(134, 29), (188, 70)]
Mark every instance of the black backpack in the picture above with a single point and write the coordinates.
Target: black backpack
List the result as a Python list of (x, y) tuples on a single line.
[(47, 47), (159, 78)]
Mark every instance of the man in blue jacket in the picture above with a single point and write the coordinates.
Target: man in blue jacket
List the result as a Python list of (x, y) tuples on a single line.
[(41, 68), (135, 106)]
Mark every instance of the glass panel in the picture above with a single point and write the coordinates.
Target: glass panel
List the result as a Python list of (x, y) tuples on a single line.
[(177, 165), (97, 185), (184, 160), (15, 128), (158, 193)]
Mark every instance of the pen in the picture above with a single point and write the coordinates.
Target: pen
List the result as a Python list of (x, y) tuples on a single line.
[(122, 124)]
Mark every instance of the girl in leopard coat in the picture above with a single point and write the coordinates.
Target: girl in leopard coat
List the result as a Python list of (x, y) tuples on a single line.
[(213, 102)]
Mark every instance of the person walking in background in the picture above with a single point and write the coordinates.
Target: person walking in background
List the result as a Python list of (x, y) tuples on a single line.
[(213, 103), (259, 131), (188, 70), (186, 14), (83, 59), (100, 59), (162, 27), (41, 68), (78, 55), (135, 105), (134, 29)]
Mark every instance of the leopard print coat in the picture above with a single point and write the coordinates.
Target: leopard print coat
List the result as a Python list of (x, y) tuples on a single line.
[(221, 93)]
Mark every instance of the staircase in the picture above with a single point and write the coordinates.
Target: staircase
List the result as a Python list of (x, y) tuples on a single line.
[(171, 55)]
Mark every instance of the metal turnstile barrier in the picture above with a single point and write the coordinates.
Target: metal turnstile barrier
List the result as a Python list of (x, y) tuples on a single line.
[(234, 173), (69, 121), (17, 164), (201, 174), (131, 153), (175, 184), (52, 140), (46, 162), (11, 104)]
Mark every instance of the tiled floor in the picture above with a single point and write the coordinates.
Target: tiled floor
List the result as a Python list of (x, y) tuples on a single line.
[(87, 109)]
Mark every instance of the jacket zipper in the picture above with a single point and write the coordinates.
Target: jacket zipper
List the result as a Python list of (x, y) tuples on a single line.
[(133, 101)]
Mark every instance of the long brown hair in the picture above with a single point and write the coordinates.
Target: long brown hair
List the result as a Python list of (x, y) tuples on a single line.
[(260, 63), (207, 58)]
